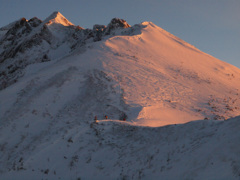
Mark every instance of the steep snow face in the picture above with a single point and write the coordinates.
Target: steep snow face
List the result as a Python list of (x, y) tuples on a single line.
[(169, 79)]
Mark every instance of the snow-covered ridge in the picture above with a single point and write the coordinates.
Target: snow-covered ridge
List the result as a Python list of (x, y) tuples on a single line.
[(25, 42), (56, 78), (171, 76)]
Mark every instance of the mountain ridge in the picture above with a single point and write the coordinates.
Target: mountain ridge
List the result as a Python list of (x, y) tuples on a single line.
[(53, 34), (181, 106), (142, 47)]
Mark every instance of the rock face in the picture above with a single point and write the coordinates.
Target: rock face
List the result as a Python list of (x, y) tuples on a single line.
[(26, 42), (98, 31), (116, 23), (34, 22)]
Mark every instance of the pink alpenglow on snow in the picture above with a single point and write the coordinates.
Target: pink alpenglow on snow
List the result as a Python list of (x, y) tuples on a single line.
[(58, 81)]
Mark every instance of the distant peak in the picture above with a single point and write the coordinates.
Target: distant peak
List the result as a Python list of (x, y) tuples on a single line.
[(55, 13), (57, 18)]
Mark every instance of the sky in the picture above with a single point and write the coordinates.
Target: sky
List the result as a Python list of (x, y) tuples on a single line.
[(212, 26)]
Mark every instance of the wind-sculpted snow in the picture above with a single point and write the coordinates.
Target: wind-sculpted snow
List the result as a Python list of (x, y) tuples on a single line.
[(56, 77), (26, 42), (116, 150)]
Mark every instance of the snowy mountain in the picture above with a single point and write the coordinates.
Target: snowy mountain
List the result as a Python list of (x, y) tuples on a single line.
[(55, 77)]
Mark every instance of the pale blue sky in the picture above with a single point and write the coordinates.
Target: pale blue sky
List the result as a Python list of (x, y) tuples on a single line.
[(213, 26)]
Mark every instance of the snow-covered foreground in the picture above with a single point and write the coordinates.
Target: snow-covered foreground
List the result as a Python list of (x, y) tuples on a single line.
[(205, 149), (175, 98)]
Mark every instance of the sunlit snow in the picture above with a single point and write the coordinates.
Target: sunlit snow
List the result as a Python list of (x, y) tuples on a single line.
[(181, 106)]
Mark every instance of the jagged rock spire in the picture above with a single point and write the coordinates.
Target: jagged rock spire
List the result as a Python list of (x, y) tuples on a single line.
[(115, 24)]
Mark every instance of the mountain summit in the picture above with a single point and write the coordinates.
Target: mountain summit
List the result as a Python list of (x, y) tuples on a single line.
[(57, 18), (154, 77), (56, 78)]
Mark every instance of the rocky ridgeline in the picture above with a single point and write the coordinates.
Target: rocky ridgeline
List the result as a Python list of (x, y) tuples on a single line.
[(26, 42)]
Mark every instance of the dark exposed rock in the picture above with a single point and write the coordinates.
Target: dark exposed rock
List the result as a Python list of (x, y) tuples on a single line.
[(23, 21), (78, 28), (30, 41), (45, 58), (18, 27), (116, 23), (88, 33), (34, 22), (98, 27), (98, 31)]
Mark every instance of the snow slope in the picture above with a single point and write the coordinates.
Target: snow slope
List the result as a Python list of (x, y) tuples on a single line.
[(175, 82), (112, 149), (141, 72)]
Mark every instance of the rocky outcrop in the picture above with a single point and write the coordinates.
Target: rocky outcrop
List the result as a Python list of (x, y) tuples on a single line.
[(116, 23), (32, 41), (34, 22), (98, 31)]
